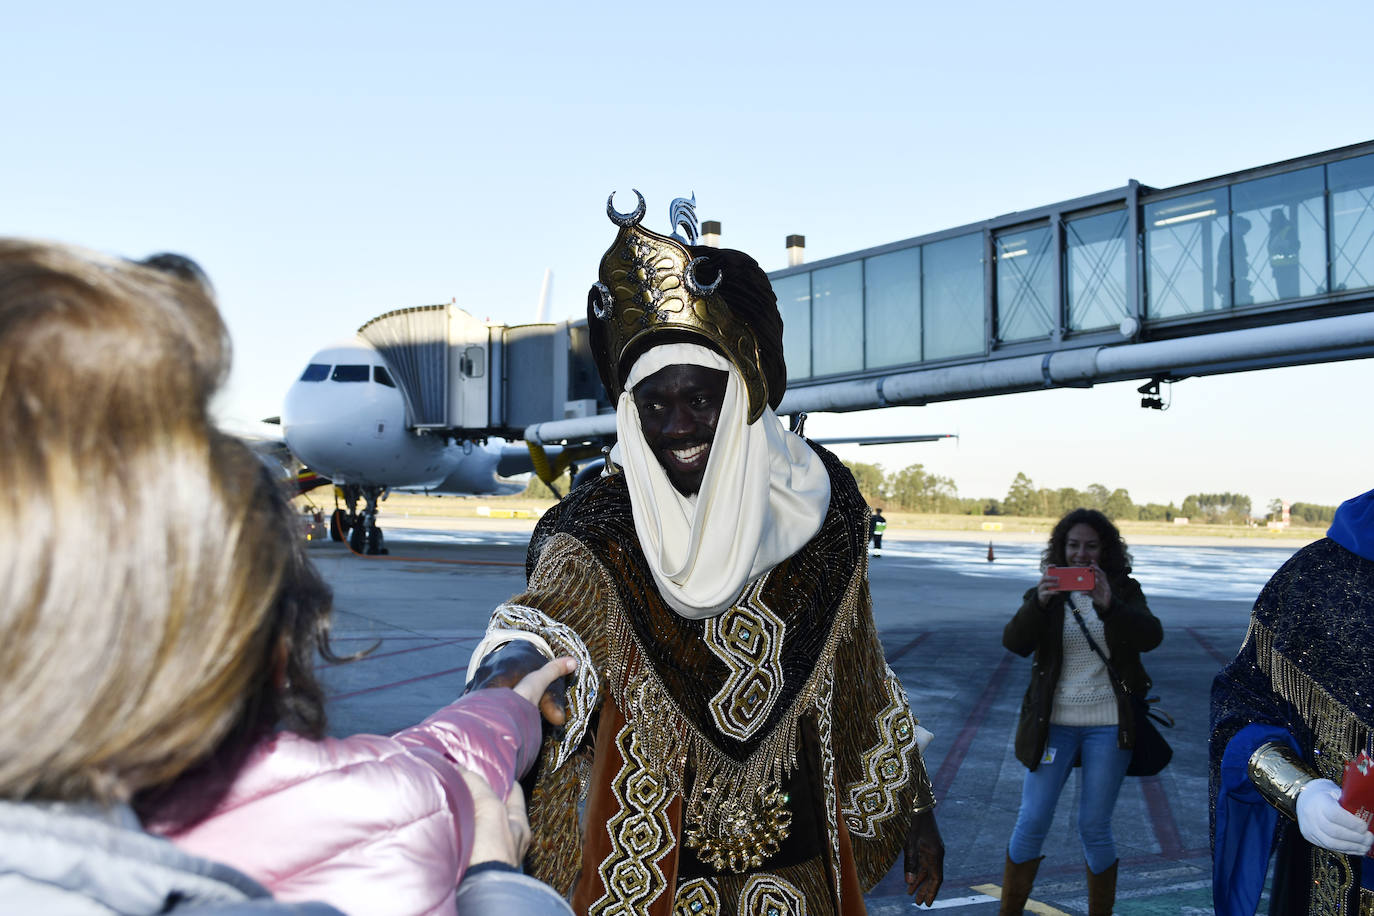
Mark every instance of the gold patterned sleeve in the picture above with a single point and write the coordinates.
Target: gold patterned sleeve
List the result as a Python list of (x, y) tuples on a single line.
[(564, 604), (567, 601), (881, 772)]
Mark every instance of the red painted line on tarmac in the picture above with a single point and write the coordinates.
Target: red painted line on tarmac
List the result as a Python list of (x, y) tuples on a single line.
[(334, 639), (433, 645), (1161, 817), (907, 648), (1208, 647), (949, 767), (409, 680)]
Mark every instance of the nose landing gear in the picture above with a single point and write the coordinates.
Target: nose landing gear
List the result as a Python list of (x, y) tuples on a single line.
[(360, 529)]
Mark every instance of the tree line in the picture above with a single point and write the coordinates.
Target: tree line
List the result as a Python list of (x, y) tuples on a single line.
[(914, 489)]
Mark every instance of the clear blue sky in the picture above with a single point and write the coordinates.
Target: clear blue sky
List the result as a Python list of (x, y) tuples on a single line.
[(328, 162)]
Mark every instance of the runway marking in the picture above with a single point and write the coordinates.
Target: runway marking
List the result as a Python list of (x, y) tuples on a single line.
[(891, 659), (410, 680), (994, 892), (1210, 649), (955, 902), (1161, 817), (949, 767)]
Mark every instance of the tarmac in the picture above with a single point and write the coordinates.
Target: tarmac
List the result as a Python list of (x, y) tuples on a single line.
[(426, 604)]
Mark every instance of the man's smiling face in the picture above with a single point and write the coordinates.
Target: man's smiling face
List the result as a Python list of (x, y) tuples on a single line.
[(679, 407)]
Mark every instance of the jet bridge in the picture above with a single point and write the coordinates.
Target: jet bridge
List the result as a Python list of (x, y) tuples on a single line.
[(470, 378), (1269, 267)]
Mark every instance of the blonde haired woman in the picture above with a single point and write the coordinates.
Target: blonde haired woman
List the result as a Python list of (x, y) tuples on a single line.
[(160, 620)]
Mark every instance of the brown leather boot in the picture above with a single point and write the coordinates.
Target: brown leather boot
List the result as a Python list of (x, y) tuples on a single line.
[(1017, 880), (1102, 890)]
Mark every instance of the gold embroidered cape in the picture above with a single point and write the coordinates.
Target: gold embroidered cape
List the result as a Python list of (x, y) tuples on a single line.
[(762, 761)]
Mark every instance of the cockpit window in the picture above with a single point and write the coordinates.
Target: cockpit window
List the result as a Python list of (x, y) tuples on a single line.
[(351, 373), (382, 377), (315, 372)]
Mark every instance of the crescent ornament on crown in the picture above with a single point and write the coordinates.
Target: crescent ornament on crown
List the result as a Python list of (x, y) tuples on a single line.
[(648, 291)]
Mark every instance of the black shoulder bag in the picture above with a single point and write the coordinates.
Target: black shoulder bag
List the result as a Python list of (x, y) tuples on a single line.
[(1151, 753)]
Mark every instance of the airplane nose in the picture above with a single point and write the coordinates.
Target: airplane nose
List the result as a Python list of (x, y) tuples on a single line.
[(321, 422)]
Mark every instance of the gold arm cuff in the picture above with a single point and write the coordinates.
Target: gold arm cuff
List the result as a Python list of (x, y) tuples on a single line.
[(1280, 775), (924, 799)]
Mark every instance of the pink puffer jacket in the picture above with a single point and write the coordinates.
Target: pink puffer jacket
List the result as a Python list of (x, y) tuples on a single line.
[(369, 824)]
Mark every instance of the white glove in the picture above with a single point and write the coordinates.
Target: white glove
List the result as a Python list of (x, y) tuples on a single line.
[(1325, 823)]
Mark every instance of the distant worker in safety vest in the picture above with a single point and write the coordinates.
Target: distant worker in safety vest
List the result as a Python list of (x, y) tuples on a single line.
[(876, 526)]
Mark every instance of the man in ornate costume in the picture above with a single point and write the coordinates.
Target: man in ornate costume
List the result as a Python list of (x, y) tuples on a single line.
[(1291, 709), (739, 742)]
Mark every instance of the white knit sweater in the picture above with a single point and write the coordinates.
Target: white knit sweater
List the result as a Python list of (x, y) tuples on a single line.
[(1084, 694)]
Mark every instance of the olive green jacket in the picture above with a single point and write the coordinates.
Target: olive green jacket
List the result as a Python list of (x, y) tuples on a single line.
[(1130, 630)]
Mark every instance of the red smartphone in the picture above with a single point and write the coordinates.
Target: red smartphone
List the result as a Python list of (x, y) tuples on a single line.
[(1072, 578), (1357, 790)]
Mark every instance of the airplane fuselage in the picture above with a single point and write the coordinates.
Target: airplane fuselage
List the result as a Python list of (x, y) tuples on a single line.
[(346, 419)]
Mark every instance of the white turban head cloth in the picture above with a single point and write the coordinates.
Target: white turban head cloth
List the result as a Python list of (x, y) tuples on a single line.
[(764, 494)]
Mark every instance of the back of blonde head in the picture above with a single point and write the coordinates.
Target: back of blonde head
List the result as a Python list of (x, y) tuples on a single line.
[(137, 566)]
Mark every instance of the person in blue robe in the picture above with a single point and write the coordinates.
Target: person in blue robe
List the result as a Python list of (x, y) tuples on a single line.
[(1288, 712)]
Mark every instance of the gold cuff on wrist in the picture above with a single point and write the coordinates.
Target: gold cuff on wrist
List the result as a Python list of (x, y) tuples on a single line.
[(1279, 775)]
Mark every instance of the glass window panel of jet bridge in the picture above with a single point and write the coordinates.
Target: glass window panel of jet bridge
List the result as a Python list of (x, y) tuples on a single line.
[(892, 309), (952, 299), (1095, 270), (1282, 220), (1351, 184), (794, 302), (1187, 255), (1025, 284), (837, 318)]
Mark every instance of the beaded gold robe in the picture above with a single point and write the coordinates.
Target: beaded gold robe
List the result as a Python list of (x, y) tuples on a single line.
[(763, 761)]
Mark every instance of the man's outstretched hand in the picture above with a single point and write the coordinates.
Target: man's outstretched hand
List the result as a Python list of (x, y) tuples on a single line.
[(924, 859), (509, 665)]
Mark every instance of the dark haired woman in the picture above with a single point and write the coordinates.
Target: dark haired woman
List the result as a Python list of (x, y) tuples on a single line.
[(1073, 710)]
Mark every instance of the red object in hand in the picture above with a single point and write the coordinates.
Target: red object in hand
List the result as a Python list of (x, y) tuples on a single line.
[(1357, 789), (1072, 578)]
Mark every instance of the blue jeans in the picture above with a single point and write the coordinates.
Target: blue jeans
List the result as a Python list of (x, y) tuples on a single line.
[(1104, 766)]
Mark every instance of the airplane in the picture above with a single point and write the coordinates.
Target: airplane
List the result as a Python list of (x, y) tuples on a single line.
[(344, 418)]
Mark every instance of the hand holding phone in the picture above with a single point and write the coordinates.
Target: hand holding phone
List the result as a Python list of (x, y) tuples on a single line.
[(1072, 578)]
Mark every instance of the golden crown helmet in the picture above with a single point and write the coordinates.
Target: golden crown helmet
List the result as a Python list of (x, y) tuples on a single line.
[(648, 290)]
